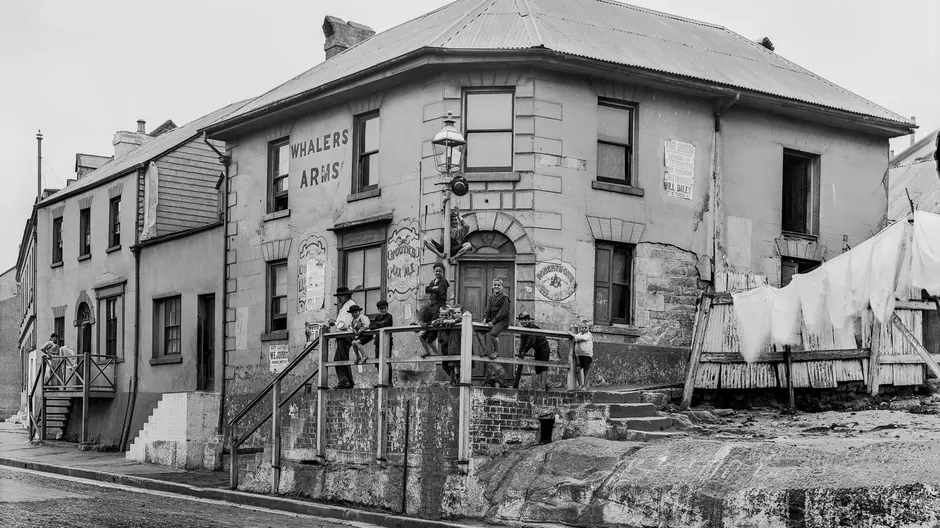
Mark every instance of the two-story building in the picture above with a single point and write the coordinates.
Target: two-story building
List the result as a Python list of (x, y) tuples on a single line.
[(128, 266), (620, 161)]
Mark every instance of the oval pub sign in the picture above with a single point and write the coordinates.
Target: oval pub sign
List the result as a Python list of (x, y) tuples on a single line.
[(554, 280)]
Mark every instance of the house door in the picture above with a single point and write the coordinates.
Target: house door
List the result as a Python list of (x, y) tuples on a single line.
[(84, 329), (205, 362), (475, 286)]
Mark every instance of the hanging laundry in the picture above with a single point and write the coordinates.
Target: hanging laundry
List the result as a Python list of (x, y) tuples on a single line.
[(752, 314), (859, 279), (837, 289), (784, 315), (811, 288), (925, 258), (891, 250)]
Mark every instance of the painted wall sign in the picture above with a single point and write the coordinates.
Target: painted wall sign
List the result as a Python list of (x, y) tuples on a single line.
[(554, 280), (679, 173), (278, 356), (311, 273), (325, 152), (403, 257)]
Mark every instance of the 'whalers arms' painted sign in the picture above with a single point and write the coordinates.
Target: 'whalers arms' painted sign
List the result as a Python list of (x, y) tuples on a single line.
[(327, 153)]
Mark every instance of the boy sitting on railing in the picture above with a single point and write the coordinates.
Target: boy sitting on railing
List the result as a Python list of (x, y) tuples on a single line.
[(359, 323), (382, 320)]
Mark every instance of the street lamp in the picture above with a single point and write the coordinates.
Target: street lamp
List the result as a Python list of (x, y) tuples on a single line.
[(448, 146)]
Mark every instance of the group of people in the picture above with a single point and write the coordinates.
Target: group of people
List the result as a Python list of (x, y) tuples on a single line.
[(438, 341)]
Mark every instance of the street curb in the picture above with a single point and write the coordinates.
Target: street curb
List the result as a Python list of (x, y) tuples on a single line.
[(237, 497)]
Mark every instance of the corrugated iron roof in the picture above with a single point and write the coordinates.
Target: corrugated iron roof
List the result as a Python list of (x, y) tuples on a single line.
[(919, 178), (595, 29), (144, 153)]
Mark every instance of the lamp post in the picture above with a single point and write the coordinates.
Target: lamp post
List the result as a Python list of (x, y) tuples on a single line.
[(448, 146)]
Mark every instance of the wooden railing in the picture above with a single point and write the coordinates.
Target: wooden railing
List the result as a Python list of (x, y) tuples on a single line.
[(468, 332)]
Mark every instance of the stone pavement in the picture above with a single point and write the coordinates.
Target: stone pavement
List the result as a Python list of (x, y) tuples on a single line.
[(64, 458)]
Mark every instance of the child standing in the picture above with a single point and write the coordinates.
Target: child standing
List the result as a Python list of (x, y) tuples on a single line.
[(382, 320), (584, 350)]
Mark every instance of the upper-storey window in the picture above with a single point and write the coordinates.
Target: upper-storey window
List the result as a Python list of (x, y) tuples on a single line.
[(488, 130), (84, 232), (800, 193), (277, 296), (278, 169), (615, 126), (114, 221), (366, 154), (57, 240)]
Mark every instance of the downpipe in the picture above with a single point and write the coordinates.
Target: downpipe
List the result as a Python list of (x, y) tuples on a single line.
[(132, 402)]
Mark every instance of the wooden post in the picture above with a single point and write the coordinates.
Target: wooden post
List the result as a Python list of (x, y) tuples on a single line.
[(572, 367), (86, 395), (275, 435), (466, 368), (874, 360), (42, 402), (698, 343), (916, 345), (232, 460), (789, 358), (322, 387), (381, 395)]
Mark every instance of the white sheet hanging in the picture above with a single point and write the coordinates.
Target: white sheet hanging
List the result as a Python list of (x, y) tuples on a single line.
[(890, 256), (925, 262), (784, 315), (811, 288), (837, 289), (752, 314)]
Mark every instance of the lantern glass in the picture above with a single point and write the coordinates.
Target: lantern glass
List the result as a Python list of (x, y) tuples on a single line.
[(448, 147)]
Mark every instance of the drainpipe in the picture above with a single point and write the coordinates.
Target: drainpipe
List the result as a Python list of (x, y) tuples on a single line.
[(716, 182), (135, 249), (225, 160)]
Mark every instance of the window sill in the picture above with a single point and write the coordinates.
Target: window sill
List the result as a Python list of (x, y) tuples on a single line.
[(56, 264), (84, 257), (355, 197), (491, 176), (166, 360), (621, 330), (275, 215), (617, 188), (802, 236), (112, 249), (279, 335)]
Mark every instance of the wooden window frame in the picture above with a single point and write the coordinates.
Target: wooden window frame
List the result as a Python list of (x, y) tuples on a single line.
[(57, 249), (359, 139), (344, 267), (58, 325), (274, 196), (161, 327), (608, 319), (811, 220), (84, 232), (270, 289), (629, 179), (810, 265), (467, 93), (114, 222)]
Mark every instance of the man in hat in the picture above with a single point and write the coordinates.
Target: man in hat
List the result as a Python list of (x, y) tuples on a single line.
[(382, 320), (343, 323), (539, 346)]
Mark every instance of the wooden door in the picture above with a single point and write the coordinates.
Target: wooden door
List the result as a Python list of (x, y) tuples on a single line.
[(475, 284), (205, 346)]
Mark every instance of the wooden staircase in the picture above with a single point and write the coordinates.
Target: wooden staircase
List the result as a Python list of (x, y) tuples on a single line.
[(57, 416)]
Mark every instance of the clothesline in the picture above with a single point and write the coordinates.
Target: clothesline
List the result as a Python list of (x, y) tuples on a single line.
[(874, 274)]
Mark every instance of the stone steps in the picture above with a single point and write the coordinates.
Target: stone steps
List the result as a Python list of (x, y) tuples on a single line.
[(632, 410), (650, 423), (618, 397)]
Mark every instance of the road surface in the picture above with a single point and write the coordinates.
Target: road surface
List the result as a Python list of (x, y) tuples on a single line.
[(30, 499)]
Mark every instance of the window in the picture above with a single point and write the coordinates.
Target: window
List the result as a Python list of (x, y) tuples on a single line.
[(278, 172), (114, 236), (367, 153), (168, 338), (800, 192), (363, 274), (488, 130), (613, 274), (59, 326), (84, 232), (277, 296), (57, 240), (615, 123), (794, 266), (111, 326)]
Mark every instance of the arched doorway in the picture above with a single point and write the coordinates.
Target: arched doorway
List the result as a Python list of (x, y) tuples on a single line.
[(83, 321), (493, 256)]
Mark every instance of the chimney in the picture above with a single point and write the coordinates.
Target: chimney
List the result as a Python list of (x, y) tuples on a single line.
[(914, 119), (765, 42), (891, 154), (125, 141), (341, 35)]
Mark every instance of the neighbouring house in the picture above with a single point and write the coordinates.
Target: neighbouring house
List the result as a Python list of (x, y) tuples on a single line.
[(128, 270), (11, 365), (913, 173)]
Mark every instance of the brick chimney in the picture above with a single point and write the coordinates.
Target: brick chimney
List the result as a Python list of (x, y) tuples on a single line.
[(125, 141), (341, 35)]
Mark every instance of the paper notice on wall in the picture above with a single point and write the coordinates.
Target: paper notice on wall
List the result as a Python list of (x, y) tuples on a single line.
[(679, 172), (278, 356), (316, 284)]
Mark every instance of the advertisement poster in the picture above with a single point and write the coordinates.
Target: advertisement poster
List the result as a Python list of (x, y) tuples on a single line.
[(403, 257), (279, 356), (679, 173), (311, 271), (554, 280)]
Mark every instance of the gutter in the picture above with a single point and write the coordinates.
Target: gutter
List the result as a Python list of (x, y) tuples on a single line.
[(225, 160)]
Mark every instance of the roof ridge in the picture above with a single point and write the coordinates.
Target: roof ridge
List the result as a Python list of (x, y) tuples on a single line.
[(462, 21), (531, 20), (918, 144), (660, 13)]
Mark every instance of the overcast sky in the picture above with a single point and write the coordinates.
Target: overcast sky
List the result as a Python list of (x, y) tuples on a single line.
[(82, 70)]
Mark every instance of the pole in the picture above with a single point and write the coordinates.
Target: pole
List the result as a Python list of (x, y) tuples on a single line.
[(275, 436), (446, 194), (39, 165)]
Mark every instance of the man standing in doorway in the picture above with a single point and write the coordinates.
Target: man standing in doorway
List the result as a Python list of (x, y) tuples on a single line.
[(343, 323)]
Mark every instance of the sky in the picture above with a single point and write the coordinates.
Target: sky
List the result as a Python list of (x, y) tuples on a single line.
[(80, 71)]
